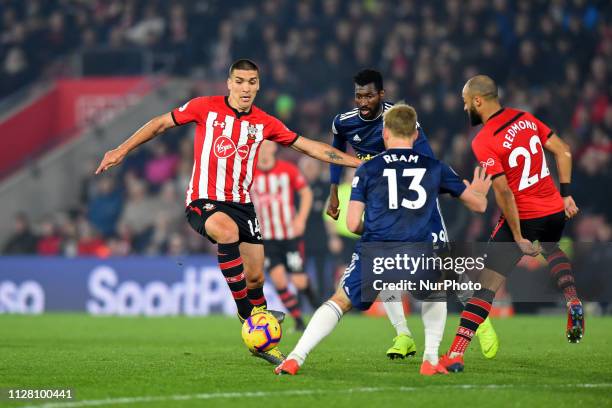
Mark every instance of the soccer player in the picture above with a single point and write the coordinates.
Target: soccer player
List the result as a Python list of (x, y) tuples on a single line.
[(228, 135), (275, 184), (362, 129), (397, 191), (510, 147)]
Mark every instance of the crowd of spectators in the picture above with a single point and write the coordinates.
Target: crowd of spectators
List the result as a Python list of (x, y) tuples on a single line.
[(553, 58)]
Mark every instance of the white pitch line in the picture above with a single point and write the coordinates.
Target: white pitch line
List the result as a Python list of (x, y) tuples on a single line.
[(289, 393)]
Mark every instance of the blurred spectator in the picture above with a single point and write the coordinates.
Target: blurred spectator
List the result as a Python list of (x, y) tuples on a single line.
[(90, 243), (50, 242), (22, 240), (162, 166), (105, 206)]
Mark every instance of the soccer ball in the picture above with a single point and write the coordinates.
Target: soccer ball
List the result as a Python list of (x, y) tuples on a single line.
[(261, 332)]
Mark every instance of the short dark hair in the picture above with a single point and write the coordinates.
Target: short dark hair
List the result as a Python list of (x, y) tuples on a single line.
[(369, 76), (243, 64)]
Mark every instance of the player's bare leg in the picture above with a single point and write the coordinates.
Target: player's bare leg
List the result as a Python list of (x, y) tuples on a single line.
[(278, 275), (320, 326)]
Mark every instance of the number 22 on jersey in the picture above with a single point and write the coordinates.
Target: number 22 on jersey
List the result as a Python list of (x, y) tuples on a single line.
[(526, 179)]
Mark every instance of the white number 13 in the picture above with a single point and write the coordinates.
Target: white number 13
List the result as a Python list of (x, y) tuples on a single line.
[(415, 185)]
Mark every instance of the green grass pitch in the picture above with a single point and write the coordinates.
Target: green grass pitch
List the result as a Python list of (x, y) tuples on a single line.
[(177, 362)]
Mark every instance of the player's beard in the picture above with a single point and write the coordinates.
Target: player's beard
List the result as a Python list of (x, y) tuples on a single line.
[(475, 118)]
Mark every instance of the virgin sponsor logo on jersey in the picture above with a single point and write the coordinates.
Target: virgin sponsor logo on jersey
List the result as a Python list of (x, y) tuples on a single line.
[(489, 163), (225, 148)]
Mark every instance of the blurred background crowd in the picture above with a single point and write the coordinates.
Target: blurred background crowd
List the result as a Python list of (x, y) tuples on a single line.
[(553, 58)]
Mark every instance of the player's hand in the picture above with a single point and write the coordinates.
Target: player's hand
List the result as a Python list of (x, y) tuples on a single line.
[(332, 206), (570, 207), (528, 247), (481, 183), (299, 226), (111, 158)]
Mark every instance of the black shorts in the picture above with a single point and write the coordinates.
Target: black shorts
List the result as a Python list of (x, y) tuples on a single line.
[(198, 211), (289, 253), (547, 230)]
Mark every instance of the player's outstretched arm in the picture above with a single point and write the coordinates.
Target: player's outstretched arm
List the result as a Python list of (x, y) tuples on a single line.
[(563, 159), (324, 152), (335, 175), (475, 195), (147, 132), (505, 200), (354, 217)]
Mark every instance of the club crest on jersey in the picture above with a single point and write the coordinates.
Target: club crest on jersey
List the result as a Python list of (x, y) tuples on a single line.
[(224, 147), (252, 132), (490, 162)]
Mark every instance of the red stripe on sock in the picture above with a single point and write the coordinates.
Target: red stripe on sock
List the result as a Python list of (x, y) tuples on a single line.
[(554, 256), (296, 313), (291, 303), (234, 279), (258, 301), (230, 264), (555, 269), (285, 296), (481, 303), (239, 294), (472, 317)]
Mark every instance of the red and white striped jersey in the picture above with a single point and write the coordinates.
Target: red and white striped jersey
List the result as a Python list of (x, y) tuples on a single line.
[(226, 145), (273, 196)]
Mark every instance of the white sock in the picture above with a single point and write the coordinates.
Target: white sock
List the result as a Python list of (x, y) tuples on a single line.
[(434, 320), (392, 302), (323, 321)]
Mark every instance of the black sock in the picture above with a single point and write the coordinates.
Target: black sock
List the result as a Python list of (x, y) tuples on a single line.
[(311, 295), (291, 303), (230, 263), (257, 298), (561, 273)]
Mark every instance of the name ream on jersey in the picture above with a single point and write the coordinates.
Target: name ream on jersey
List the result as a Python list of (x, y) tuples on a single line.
[(514, 129), (390, 158)]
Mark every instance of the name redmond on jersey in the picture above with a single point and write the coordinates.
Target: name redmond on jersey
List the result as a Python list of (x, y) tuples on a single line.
[(514, 129)]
